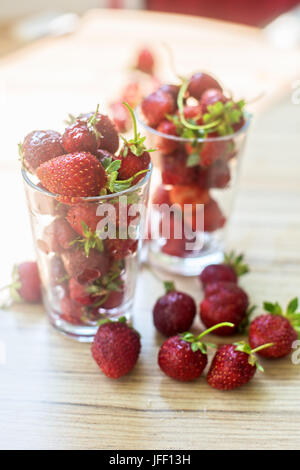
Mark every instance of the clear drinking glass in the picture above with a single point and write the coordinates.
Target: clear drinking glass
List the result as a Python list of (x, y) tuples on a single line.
[(180, 181), (83, 283)]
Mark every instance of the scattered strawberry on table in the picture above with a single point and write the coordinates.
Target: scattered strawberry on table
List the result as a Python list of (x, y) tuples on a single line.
[(25, 284)]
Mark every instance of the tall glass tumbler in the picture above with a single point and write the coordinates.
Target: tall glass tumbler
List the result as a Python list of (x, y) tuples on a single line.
[(200, 197), (88, 265)]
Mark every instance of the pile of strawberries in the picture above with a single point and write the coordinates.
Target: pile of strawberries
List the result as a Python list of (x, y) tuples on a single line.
[(198, 109), (224, 310), (81, 163)]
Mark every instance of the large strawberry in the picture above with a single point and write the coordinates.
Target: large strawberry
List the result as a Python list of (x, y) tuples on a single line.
[(39, 147), (77, 174), (157, 105)]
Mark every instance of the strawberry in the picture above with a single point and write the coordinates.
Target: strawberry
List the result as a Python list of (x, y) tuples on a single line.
[(211, 96), (212, 151), (145, 61), (120, 116), (83, 215), (120, 248), (39, 147), (161, 196), (174, 312), (106, 129), (278, 327), (193, 112), (191, 194), (57, 237), (131, 94), (116, 348), (26, 283), (114, 300), (71, 311), (156, 106), (165, 145), (79, 294), (81, 137), (57, 272), (216, 175), (233, 365), (213, 216), (173, 90), (74, 174), (174, 246), (228, 271), (224, 301), (200, 82), (184, 357), (85, 268), (174, 169)]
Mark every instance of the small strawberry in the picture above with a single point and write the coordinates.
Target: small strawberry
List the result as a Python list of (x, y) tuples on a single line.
[(79, 294), (106, 129), (165, 145), (233, 365), (57, 237), (83, 215), (145, 61), (26, 283), (216, 175), (214, 219), (184, 357), (211, 96), (116, 348), (82, 136), (39, 147), (121, 248), (156, 106), (212, 151), (224, 301), (75, 174), (173, 90), (200, 82), (229, 271), (85, 268), (71, 311), (175, 171), (174, 312), (193, 112), (278, 327)]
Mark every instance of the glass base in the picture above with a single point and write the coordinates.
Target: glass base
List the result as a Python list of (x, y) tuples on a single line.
[(86, 333), (212, 253)]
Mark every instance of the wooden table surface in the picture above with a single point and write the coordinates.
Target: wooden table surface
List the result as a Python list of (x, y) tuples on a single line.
[(52, 394)]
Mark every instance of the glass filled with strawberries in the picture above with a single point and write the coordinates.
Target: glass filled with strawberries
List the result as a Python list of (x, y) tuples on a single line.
[(199, 131), (87, 208)]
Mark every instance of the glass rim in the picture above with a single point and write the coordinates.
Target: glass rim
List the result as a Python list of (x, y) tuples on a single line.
[(140, 183), (242, 130)]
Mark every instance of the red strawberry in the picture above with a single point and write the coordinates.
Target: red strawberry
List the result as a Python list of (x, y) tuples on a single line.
[(200, 82), (81, 215), (120, 248), (80, 138), (109, 137), (57, 236), (174, 169), (161, 196), (213, 216), (74, 174), (71, 311), (228, 271), (216, 175), (211, 151), (156, 105), (145, 61), (39, 147), (57, 272), (165, 145), (174, 312), (173, 90), (116, 348), (114, 300), (194, 113), (279, 328), (79, 294), (26, 283), (184, 357), (233, 365), (211, 96), (120, 116), (191, 194), (174, 246), (224, 301), (85, 268)]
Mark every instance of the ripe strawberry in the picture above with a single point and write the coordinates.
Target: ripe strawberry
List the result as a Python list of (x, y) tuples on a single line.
[(120, 116), (211, 151), (57, 236), (103, 155), (85, 268), (216, 175), (106, 129), (39, 147), (71, 311), (213, 216), (165, 145), (161, 196), (114, 300), (26, 283), (277, 327), (79, 294), (200, 82), (80, 137), (145, 61), (233, 365), (191, 194), (174, 246), (228, 271), (173, 90), (74, 174), (116, 348), (224, 301), (193, 112), (174, 169), (184, 357), (211, 96), (120, 248), (174, 312), (156, 105), (81, 215)]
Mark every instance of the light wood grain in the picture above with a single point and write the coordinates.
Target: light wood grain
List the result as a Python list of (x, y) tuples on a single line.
[(52, 394)]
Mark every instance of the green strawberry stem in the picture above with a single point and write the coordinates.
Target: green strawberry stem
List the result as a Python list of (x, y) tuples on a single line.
[(260, 348), (236, 262), (169, 286), (213, 328), (135, 132), (180, 104), (196, 344)]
